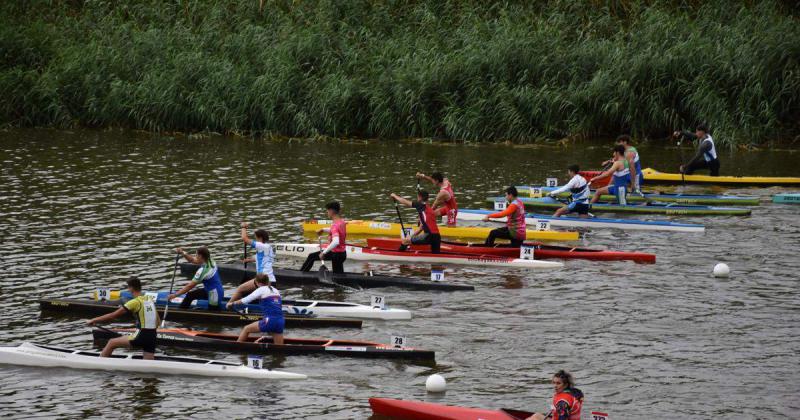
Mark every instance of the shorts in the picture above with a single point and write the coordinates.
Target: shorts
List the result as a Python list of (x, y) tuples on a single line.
[(614, 189), (432, 239), (271, 325), (144, 339), (580, 208)]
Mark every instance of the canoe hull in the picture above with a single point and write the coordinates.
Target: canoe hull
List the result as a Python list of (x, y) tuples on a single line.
[(654, 208), (366, 227), (786, 198), (679, 198), (540, 251), (654, 177), (419, 410)]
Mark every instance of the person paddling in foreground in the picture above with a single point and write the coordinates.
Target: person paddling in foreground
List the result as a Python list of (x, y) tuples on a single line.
[(620, 169), (632, 155), (579, 188), (706, 156), (265, 257), (515, 229), (427, 231), (336, 251), (206, 274), (445, 201), (143, 310), (273, 321), (567, 401)]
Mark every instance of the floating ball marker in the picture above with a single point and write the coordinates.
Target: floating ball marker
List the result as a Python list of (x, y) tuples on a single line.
[(722, 270), (437, 275), (378, 302), (551, 182), (436, 383), (399, 341), (255, 361)]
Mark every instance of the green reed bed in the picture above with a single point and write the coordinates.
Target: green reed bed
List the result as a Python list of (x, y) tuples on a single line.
[(470, 70)]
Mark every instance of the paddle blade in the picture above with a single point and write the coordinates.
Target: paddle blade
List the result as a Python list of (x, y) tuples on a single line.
[(323, 274)]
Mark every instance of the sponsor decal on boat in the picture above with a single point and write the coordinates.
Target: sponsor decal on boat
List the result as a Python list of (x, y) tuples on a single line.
[(290, 248), (344, 348)]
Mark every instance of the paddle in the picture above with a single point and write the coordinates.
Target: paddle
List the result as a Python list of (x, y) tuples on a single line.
[(244, 273), (171, 285), (99, 327), (683, 179), (322, 275)]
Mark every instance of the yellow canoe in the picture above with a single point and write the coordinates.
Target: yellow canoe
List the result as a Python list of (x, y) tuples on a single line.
[(368, 227), (652, 176)]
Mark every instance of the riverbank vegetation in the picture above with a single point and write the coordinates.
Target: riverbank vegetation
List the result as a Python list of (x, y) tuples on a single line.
[(467, 70)]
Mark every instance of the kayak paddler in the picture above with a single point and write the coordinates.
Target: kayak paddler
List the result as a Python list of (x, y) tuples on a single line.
[(632, 155), (336, 250), (620, 170), (445, 201), (208, 274), (515, 229), (271, 308), (579, 188), (265, 257), (144, 312), (427, 231), (567, 400), (706, 156)]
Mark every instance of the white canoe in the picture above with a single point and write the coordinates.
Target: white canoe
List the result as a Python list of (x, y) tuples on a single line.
[(359, 253), (592, 222), (31, 354)]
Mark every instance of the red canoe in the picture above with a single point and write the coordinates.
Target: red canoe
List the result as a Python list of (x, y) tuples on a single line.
[(597, 184), (418, 410), (540, 251)]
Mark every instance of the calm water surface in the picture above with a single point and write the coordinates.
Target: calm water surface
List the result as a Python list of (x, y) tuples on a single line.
[(82, 210)]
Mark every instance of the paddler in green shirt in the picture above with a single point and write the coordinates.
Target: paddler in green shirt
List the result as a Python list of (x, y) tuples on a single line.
[(143, 310)]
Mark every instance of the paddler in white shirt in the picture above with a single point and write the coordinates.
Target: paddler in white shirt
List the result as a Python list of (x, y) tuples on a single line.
[(579, 188)]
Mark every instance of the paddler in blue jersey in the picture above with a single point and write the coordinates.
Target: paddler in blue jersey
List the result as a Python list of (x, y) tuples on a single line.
[(143, 310), (208, 274), (265, 257), (271, 308), (621, 171), (579, 188), (632, 156)]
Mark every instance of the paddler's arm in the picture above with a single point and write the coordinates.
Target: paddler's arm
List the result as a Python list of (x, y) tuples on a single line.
[(420, 175), (245, 238), (189, 286), (107, 317), (441, 198), (607, 173), (563, 188), (507, 212), (400, 200), (634, 176), (190, 258)]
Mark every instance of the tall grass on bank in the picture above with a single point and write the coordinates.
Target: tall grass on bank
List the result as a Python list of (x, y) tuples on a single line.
[(472, 70)]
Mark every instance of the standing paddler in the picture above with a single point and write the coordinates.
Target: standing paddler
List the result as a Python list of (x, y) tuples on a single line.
[(265, 257), (579, 188), (144, 312), (271, 308), (706, 156), (427, 231), (567, 400), (621, 171), (336, 250), (514, 213), (445, 201), (208, 274)]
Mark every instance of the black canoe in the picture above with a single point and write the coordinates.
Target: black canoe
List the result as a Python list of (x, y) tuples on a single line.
[(235, 273), (91, 307), (292, 346)]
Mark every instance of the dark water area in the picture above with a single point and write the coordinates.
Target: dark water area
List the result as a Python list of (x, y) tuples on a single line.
[(88, 209)]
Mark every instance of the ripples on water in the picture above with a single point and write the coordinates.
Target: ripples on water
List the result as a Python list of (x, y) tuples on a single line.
[(88, 209)]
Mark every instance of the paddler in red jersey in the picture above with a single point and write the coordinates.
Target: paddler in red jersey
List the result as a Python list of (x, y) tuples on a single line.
[(567, 401), (514, 213), (336, 251), (445, 201), (427, 231)]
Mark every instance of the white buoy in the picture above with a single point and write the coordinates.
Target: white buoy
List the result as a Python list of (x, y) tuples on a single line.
[(722, 270), (436, 383)]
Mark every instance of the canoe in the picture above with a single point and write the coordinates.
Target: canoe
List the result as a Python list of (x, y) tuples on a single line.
[(234, 273), (670, 209), (359, 253), (786, 198), (652, 176), (658, 196), (419, 410), (540, 251), (292, 346), (592, 222), (90, 307), (319, 308), (38, 355), (366, 227)]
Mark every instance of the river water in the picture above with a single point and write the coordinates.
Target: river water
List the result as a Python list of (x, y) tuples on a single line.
[(88, 209)]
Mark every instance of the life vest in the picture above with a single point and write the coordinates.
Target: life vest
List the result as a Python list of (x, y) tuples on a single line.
[(574, 399), (711, 154), (516, 221)]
